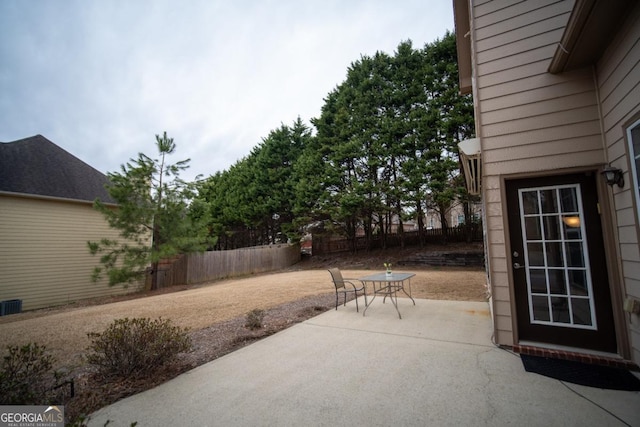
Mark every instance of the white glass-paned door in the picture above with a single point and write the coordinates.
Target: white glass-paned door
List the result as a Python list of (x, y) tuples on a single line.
[(556, 257)]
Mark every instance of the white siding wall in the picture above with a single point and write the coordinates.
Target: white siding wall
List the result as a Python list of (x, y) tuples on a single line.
[(618, 76), (529, 121), (44, 259)]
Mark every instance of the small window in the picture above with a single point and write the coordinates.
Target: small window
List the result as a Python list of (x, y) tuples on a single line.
[(633, 136)]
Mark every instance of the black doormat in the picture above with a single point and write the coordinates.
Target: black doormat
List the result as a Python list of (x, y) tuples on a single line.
[(582, 373)]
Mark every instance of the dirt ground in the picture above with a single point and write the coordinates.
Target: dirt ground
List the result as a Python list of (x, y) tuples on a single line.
[(215, 315)]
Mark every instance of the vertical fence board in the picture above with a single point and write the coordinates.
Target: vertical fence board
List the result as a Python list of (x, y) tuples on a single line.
[(237, 262)]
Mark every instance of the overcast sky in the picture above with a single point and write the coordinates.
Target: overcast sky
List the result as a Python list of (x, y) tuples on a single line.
[(100, 78)]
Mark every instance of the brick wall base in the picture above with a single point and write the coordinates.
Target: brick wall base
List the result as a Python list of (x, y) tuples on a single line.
[(577, 357)]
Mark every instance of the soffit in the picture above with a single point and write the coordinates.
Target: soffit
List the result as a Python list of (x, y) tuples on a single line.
[(591, 28)]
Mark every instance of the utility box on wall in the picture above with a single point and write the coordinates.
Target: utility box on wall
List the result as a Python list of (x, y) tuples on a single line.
[(11, 306)]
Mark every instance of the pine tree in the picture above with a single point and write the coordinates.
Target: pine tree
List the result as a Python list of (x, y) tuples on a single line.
[(152, 215)]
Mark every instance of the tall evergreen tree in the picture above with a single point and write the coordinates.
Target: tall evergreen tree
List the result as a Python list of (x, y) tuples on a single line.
[(453, 123), (385, 150), (389, 134), (256, 197)]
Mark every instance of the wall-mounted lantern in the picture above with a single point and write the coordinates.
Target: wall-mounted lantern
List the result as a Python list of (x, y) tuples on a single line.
[(613, 176), (469, 150)]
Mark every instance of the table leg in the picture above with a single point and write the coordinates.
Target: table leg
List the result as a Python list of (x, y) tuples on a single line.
[(366, 306), (408, 294), (394, 293)]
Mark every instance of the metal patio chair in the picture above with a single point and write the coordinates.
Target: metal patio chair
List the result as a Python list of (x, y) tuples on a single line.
[(341, 287)]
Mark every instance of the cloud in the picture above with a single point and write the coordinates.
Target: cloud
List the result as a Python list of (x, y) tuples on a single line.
[(100, 79)]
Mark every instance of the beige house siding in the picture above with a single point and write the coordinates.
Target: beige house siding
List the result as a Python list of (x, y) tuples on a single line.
[(44, 259), (618, 81), (529, 121)]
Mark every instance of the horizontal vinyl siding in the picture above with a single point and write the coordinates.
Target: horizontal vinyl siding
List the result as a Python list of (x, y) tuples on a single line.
[(536, 91), (556, 133), (524, 153), (44, 259), (545, 111), (530, 120), (500, 16), (535, 82), (514, 42), (572, 114), (618, 76), (496, 241), (523, 52), (526, 29)]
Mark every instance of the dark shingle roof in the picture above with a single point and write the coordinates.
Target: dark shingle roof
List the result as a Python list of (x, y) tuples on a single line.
[(37, 166)]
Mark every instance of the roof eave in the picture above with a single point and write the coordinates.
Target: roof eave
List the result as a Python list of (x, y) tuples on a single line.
[(463, 44), (590, 29), (52, 198)]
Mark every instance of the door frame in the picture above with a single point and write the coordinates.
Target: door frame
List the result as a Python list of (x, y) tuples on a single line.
[(611, 243)]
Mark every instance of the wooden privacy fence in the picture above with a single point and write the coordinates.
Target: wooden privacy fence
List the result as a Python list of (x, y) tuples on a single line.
[(411, 238), (198, 268)]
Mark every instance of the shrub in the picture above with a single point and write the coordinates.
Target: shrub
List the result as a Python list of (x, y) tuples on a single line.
[(254, 319), (136, 347), (26, 377)]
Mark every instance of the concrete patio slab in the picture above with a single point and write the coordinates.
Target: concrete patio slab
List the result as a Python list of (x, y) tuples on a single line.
[(435, 366)]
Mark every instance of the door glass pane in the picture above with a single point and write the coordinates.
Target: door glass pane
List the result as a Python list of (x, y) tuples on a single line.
[(560, 310), (540, 308), (557, 284), (538, 279), (578, 282), (530, 202), (536, 254), (581, 311), (532, 227), (549, 201), (554, 254), (552, 227), (574, 254), (568, 200), (571, 227)]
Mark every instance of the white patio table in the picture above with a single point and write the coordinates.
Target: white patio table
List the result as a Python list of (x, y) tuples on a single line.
[(389, 285)]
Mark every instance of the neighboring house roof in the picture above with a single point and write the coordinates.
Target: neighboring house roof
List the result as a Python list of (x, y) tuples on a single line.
[(37, 166)]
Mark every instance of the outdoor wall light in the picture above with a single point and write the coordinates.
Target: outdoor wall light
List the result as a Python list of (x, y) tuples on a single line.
[(613, 176), (470, 156)]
